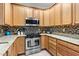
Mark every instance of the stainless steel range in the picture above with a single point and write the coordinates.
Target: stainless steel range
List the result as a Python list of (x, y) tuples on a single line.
[(32, 43)]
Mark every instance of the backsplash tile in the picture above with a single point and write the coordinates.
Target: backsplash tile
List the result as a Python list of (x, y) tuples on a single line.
[(70, 29)]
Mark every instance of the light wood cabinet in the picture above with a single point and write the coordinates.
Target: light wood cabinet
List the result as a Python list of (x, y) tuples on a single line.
[(67, 13), (57, 14), (68, 49), (36, 13), (44, 42), (5, 14), (8, 14), (46, 17), (18, 47), (1, 14), (52, 46), (41, 19), (12, 51), (52, 16), (28, 12), (18, 15), (76, 13)]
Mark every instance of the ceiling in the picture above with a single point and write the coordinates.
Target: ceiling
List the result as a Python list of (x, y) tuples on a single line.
[(38, 5)]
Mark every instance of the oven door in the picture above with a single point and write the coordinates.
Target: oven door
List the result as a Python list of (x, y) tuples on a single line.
[(28, 43), (36, 42)]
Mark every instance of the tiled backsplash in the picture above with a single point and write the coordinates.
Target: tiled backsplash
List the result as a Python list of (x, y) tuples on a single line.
[(71, 29), (60, 29)]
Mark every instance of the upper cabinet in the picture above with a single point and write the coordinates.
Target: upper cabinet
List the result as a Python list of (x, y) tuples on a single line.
[(41, 18), (28, 12), (36, 13), (1, 14), (52, 16), (57, 14), (18, 15), (66, 13), (46, 17), (76, 13), (5, 14)]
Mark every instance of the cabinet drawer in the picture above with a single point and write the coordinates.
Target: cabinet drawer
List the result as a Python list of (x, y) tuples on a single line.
[(52, 39), (69, 45), (52, 51), (52, 42), (52, 46), (66, 51)]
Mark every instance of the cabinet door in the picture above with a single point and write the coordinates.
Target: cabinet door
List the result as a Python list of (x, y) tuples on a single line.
[(28, 12), (11, 51), (36, 13), (52, 16), (1, 14), (46, 17), (76, 13), (57, 14), (18, 15), (44, 42), (66, 13), (8, 14), (20, 45), (52, 46), (41, 19)]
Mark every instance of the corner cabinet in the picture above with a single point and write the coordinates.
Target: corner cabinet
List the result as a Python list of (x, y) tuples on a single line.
[(18, 15), (67, 14)]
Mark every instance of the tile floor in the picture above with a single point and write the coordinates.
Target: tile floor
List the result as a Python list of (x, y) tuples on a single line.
[(42, 53)]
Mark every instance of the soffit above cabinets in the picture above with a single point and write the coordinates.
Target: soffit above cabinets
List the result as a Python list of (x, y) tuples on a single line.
[(38, 5)]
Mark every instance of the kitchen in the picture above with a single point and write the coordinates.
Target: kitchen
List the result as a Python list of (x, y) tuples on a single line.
[(28, 29)]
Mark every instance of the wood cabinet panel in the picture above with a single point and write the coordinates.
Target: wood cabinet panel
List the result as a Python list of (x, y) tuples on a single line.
[(36, 13), (28, 12), (76, 13), (67, 49), (11, 51), (41, 19), (1, 14), (52, 16), (18, 15), (8, 14), (20, 45), (46, 17), (58, 14), (44, 42), (52, 46), (66, 13)]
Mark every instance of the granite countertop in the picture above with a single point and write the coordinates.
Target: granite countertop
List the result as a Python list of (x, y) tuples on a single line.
[(10, 39), (68, 39)]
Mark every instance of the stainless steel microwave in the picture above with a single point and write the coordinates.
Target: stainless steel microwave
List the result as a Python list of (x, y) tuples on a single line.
[(32, 22)]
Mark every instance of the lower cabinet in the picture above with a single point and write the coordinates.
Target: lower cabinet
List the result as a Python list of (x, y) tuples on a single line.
[(44, 42), (67, 49), (17, 47), (52, 46), (59, 47)]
